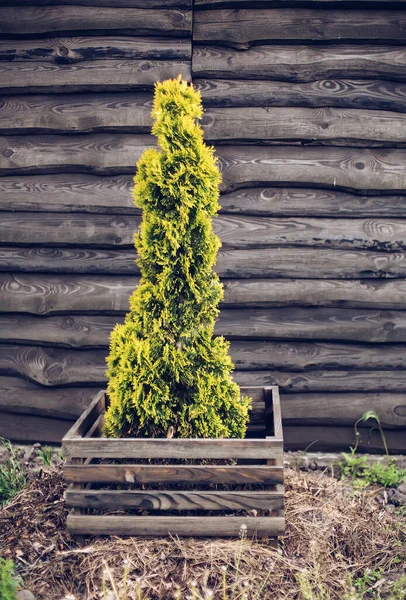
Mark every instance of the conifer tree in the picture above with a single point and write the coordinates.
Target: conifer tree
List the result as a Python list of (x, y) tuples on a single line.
[(168, 375)]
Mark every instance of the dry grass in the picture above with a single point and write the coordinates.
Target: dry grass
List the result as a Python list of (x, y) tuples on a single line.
[(333, 535)]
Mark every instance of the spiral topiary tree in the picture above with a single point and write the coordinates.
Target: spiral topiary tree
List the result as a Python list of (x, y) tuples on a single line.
[(167, 373)]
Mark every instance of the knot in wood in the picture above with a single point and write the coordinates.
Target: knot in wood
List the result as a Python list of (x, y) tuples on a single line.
[(8, 152)]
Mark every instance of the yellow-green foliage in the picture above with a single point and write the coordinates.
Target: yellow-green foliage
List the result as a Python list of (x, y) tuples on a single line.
[(167, 374)]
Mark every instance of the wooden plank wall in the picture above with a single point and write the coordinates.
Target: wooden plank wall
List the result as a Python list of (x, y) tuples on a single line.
[(306, 105)]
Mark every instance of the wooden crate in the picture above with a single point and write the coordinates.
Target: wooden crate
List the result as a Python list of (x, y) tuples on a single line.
[(178, 486)]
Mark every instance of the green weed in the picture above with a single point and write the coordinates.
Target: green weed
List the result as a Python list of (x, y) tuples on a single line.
[(12, 477), (45, 453), (10, 582)]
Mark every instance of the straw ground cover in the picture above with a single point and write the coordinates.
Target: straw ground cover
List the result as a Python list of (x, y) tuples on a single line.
[(341, 543)]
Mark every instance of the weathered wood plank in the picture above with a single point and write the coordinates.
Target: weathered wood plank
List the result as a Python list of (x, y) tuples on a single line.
[(301, 202), (26, 293), (326, 381), (339, 93), (334, 409), (346, 168), (23, 397), (207, 4), (31, 428), (168, 500), (300, 63), (241, 28), (117, 3), (337, 439), (184, 526), (263, 263), (68, 192), (176, 448), (173, 474), (329, 126), (89, 417), (88, 75), (50, 20), (131, 113), (68, 50), (235, 231)]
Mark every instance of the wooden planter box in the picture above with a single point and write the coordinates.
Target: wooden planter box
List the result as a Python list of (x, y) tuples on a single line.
[(178, 486)]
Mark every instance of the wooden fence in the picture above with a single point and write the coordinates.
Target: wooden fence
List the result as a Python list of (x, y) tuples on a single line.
[(306, 104)]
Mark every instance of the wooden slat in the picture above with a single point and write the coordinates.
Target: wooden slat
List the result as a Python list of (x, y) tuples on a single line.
[(31, 428), (68, 50), (300, 63), (30, 21), (172, 448), (86, 420), (117, 3), (340, 93), (53, 294), (131, 113), (207, 4), (337, 439), (235, 231), (167, 500), (326, 381), (143, 474), (346, 168), (264, 263), (332, 409), (88, 75), (329, 126), (184, 526), (25, 398), (241, 28)]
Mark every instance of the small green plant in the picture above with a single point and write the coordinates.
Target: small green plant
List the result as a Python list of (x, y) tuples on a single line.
[(45, 453), (168, 375), (12, 477), (361, 472), (10, 582)]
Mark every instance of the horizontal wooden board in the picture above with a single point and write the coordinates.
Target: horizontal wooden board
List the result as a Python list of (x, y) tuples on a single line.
[(68, 192), (235, 231), (300, 63), (25, 398), (184, 526), (340, 93), (345, 168), (299, 202), (65, 19), (75, 192), (316, 264), (68, 50), (338, 439), (362, 169), (88, 75), (243, 27), (176, 448), (143, 474), (32, 428), (329, 126), (326, 381), (168, 500), (117, 3), (131, 113), (207, 4), (53, 294)]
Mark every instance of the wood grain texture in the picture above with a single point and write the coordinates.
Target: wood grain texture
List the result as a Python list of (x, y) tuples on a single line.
[(68, 192), (69, 294), (300, 63), (259, 263), (339, 93), (88, 75), (117, 3), (339, 439), (50, 20), (22, 397), (69, 50), (143, 474), (208, 4), (345, 168), (329, 126), (241, 27), (167, 500), (235, 231), (184, 526), (31, 428)]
